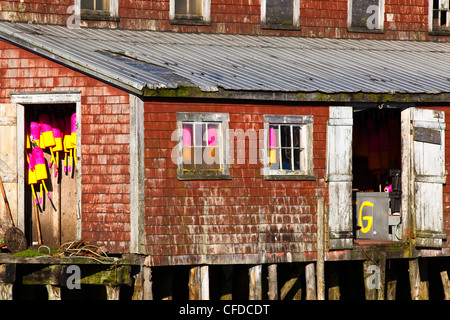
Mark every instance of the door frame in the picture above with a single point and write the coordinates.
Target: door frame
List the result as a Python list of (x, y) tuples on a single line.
[(20, 100)]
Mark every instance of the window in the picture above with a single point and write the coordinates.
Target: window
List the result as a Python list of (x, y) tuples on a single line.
[(440, 15), (289, 146), (280, 14), (194, 12), (365, 16), (202, 145), (98, 9)]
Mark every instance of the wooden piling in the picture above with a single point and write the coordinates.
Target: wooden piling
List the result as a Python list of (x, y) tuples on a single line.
[(445, 284), (310, 276), (320, 249), (273, 282), (54, 292), (199, 283), (112, 292), (226, 283), (255, 285), (334, 292), (391, 281)]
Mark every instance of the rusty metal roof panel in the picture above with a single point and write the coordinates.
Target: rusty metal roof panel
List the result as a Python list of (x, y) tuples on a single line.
[(242, 62)]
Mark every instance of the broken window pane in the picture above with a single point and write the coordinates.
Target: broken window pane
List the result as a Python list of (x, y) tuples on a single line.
[(279, 12)]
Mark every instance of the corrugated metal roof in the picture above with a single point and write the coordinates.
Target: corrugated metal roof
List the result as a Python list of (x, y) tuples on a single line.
[(157, 60)]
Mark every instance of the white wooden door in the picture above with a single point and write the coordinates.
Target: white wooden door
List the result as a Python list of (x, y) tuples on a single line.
[(339, 177), (8, 161), (428, 164)]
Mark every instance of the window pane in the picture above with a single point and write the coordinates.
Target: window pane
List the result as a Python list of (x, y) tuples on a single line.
[(195, 7), (87, 4), (280, 12), (187, 134), (102, 5), (297, 164), (181, 7), (188, 7), (296, 137), (200, 134), (285, 132), (213, 139), (286, 159)]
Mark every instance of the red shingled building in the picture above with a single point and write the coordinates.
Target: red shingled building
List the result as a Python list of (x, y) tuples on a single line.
[(236, 137)]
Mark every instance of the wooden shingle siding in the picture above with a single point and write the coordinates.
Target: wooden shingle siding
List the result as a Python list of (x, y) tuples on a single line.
[(245, 219), (105, 139)]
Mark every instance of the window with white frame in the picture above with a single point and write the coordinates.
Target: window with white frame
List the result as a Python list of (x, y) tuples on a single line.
[(98, 9), (280, 14), (365, 15), (440, 14), (289, 147), (202, 145), (190, 11)]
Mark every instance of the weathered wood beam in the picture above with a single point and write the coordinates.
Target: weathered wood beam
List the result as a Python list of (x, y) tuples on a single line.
[(418, 279), (112, 292), (255, 285), (143, 285), (320, 249), (6, 291), (54, 292), (272, 278), (310, 276), (292, 288), (391, 282), (199, 283), (445, 284)]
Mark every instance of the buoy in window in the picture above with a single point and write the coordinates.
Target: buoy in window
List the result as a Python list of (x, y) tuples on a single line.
[(272, 144), (187, 142)]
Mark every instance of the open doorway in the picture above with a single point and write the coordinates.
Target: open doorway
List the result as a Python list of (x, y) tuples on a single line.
[(50, 193), (377, 173)]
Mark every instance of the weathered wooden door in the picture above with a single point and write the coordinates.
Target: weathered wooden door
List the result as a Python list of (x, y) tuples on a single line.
[(339, 177), (8, 161), (428, 175)]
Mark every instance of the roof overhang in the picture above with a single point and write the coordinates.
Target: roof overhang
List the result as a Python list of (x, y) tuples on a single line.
[(237, 67)]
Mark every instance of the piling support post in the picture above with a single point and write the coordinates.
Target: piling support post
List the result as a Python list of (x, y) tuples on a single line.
[(273, 282), (255, 285)]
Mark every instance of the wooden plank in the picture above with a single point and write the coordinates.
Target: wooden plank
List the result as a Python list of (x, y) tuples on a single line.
[(445, 284), (427, 135), (6, 291), (310, 275), (320, 249), (112, 292), (292, 288), (339, 176), (414, 279), (54, 292), (199, 283), (273, 282), (255, 285), (8, 161)]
